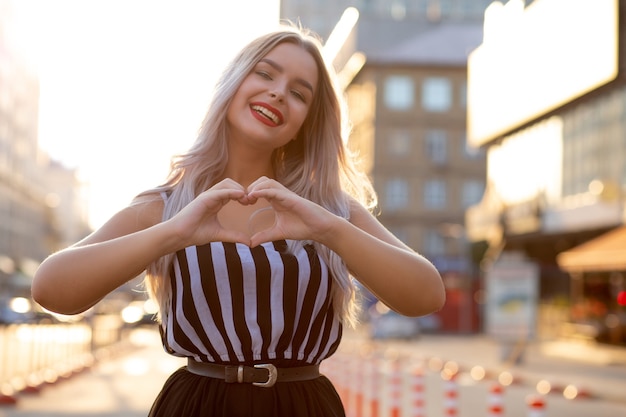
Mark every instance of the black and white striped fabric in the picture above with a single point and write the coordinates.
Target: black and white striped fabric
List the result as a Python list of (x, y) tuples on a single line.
[(233, 304)]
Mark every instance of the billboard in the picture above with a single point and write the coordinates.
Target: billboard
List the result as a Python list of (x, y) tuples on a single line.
[(512, 288), (535, 59)]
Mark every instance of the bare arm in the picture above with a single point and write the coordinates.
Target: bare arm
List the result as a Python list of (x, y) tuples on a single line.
[(74, 279), (397, 275)]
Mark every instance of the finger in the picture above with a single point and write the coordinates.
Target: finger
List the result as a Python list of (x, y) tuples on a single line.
[(223, 196), (228, 183), (269, 235), (246, 199), (264, 183), (234, 237), (268, 193), (257, 182)]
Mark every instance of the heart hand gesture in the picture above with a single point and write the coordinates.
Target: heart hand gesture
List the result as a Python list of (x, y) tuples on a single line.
[(197, 223), (295, 217)]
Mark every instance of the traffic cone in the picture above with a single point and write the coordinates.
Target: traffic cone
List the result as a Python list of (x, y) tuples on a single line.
[(496, 405), (373, 376), (417, 389), (395, 388), (7, 395), (536, 405), (451, 394)]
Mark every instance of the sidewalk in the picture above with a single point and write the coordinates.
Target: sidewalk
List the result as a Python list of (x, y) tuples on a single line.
[(597, 371), (127, 383), (124, 384)]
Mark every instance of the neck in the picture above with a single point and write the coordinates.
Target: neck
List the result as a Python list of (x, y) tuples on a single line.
[(247, 170), (246, 164)]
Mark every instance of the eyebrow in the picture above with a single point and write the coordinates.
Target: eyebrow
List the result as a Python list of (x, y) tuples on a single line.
[(279, 68)]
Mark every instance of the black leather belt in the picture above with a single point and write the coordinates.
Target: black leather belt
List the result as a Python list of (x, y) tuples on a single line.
[(262, 375)]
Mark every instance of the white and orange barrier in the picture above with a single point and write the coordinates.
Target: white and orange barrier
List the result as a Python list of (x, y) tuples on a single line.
[(379, 384), (417, 389), (495, 400), (536, 405), (33, 356)]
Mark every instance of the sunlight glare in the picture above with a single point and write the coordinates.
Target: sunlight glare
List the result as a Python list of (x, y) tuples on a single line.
[(125, 85), (570, 392), (136, 366)]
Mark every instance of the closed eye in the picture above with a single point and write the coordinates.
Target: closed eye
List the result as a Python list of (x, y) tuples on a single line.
[(264, 75), (298, 95)]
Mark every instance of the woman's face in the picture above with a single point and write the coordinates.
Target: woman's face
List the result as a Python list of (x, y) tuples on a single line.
[(273, 100)]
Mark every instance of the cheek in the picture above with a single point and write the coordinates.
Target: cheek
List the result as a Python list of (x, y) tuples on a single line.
[(237, 104), (305, 114), (303, 111), (230, 113), (299, 122)]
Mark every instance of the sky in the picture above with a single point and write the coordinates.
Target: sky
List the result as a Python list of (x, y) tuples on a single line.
[(125, 84)]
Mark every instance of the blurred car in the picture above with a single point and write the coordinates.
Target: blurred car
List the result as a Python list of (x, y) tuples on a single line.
[(387, 324), (139, 313), (19, 310)]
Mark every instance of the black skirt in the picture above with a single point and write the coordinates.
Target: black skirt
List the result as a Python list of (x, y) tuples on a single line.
[(185, 394)]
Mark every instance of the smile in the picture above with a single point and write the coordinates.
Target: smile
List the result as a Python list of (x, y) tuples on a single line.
[(267, 114)]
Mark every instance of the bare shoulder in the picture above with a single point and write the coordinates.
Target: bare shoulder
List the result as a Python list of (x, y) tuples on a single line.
[(148, 209), (144, 211)]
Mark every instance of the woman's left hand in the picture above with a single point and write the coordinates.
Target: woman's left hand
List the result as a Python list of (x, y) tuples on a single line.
[(295, 217), (397, 275)]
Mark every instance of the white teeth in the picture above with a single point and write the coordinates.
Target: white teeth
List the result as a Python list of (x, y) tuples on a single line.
[(267, 113)]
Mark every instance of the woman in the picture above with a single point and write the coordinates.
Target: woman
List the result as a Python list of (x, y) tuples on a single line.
[(251, 244)]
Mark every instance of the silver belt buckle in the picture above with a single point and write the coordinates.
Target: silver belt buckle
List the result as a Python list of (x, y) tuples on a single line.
[(272, 377)]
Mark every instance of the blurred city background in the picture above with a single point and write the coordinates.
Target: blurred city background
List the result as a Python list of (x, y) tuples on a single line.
[(494, 132)]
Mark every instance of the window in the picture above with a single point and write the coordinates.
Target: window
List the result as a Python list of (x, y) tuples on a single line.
[(436, 94), (397, 9), (463, 95), (396, 194), (399, 143), (434, 243), (364, 4), (472, 193), (445, 6), (435, 194), (436, 145), (399, 92), (418, 7), (591, 147), (401, 233)]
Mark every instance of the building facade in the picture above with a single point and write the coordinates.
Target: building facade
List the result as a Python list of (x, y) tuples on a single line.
[(407, 107), (549, 108), (408, 110), (38, 210), (385, 19)]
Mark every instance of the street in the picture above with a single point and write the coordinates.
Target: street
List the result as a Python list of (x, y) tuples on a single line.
[(126, 383), (599, 377)]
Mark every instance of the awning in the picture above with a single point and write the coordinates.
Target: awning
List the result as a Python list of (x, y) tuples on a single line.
[(606, 252)]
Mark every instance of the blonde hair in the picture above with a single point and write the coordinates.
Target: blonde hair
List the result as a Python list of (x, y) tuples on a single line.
[(317, 165)]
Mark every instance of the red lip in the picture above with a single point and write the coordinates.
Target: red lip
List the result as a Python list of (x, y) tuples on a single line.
[(264, 119)]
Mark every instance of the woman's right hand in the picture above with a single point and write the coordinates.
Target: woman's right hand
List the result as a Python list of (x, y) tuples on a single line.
[(197, 223), (74, 279)]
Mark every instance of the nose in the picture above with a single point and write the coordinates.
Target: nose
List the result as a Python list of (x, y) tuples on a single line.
[(277, 94)]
